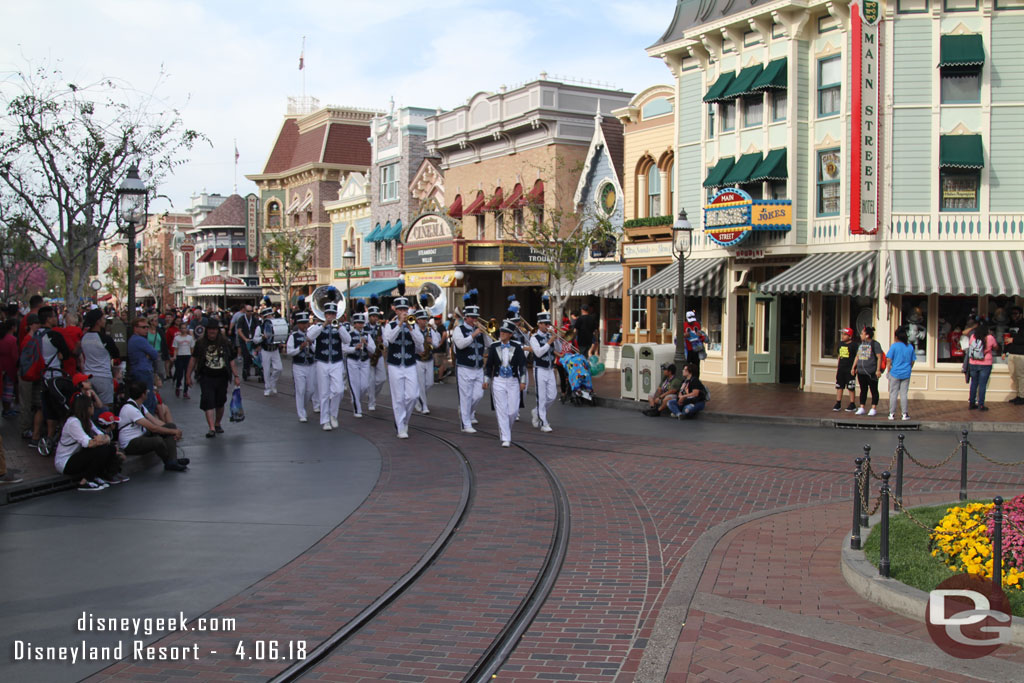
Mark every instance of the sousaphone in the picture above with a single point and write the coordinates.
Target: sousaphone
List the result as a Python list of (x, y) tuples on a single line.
[(433, 298)]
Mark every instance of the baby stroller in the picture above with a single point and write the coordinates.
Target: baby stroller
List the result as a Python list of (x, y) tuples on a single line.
[(581, 388)]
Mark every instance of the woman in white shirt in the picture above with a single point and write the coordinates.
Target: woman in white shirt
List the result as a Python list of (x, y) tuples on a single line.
[(184, 342), (84, 451)]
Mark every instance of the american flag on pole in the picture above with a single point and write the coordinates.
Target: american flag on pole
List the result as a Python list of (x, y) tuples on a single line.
[(302, 54), (236, 151)]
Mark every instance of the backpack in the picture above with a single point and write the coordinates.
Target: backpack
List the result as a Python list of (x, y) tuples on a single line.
[(30, 361), (976, 350)]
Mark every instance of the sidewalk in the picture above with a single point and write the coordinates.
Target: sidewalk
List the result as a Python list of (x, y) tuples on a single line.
[(786, 404)]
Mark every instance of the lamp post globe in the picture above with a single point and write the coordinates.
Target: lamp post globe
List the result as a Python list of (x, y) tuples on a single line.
[(132, 205), (349, 260), (682, 243)]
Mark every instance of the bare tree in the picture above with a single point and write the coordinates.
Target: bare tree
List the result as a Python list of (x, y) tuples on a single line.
[(65, 148), (285, 255)]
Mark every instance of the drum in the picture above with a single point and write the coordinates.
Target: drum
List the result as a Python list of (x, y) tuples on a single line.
[(280, 331)]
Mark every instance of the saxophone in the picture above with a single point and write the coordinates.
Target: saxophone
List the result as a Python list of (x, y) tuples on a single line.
[(379, 341), (428, 346)]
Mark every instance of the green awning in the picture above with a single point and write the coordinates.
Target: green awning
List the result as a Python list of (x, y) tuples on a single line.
[(374, 288), (375, 236), (716, 174), (966, 50), (961, 151), (720, 86), (772, 168), (742, 84), (740, 173), (394, 234), (774, 77)]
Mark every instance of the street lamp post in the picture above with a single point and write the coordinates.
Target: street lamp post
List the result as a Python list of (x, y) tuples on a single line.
[(160, 293), (349, 260), (132, 202), (681, 230), (224, 279)]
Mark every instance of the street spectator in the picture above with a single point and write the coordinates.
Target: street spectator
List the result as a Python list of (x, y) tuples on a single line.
[(901, 357), (867, 367), (98, 352), (978, 360), (245, 328), (142, 358), (667, 390), (846, 352), (9, 365), (84, 451), (184, 342), (35, 302), (54, 352), (696, 341), (213, 361), (1013, 352), (142, 432), (692, 396), (157, 338), (29, 393), (72, 334), (172, 332), (585, 326)]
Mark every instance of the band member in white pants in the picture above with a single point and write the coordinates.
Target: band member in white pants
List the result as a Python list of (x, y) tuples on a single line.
[(270, 353), (544, 354), (422, 334), (470, 343), (329, 340), (506, 369), (401, 358), (357, 360), (300, 350), (378, 368)]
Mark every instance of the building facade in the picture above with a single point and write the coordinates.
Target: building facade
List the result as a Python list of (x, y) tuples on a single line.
[(225, 272), (350, 226), (503, 155), (157, 266), (857, 165), (314, 151)]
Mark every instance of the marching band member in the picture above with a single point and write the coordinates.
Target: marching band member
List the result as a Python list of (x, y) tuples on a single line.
[(357, 359), (520, 338), (270, 353), (506, 368), (300, 350), (378, 369), (329, 339), (470, 342), (401, 359), (424, 335), (543, 344), (300, 307)]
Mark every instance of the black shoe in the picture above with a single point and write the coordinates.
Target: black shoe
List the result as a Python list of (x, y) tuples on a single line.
[(837, 407), (175, 467), (971, 406), (982, 407), (210, 434), (184, 461), (218, 429), (1017, 401)]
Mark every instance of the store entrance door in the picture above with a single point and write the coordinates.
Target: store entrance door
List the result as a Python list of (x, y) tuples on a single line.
[(790, 328), (763, 339)]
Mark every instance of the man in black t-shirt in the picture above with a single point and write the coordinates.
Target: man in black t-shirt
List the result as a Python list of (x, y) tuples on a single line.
[(585, 327), (692, 396), (846, 352)]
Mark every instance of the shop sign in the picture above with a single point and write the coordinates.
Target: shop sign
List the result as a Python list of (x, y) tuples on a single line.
[(524, 278), (639, 250), (749, 254), (221, 280), (864, 141), (187, 248), (444, 278), (522, 254), (477, 254), (252, 206), (339, 273), (429, 227), (385, 273), (428, 255), (733, 214)]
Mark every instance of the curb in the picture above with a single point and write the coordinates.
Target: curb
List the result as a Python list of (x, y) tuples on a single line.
[(848, 423), (55, 483), (890, 594)]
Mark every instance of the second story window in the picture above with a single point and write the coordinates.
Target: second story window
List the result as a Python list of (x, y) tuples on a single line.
[(653, 192), (273, 216), (829, 171), (481, 229), (728, 115), (753, 110), (499, 225), (389, 183), (829, 85)]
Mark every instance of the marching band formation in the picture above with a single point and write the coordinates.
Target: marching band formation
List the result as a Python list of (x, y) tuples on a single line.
[(361, 354)]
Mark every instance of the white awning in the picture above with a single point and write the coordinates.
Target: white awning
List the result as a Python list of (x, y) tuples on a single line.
[(604, 284), (704, 277), (956, 273), (848, 274)]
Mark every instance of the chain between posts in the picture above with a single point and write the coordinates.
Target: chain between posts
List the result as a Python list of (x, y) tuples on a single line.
[(995, 462), (932, 467), (890, 468)]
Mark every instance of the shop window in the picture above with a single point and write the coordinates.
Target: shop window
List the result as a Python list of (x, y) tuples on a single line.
[(862, 314), (755, 190), (914, 317), (637, 304), (728, 112), (830, 78), (828, 182), (481, 228), (959, 190), (653, 191), (831, 314), (273, 216), (753, 110), (713, 328), (779, 102), (238, 267), (389, 183), (960, 85), (378, 253), (742, 318), (711, 120), (664, 313), (954, 326), (777, 189), (999, 320)]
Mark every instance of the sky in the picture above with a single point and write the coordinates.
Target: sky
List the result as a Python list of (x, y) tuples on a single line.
[(230, 66)]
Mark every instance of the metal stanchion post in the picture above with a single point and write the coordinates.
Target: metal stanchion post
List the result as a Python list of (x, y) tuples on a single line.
[(866, 489), (898, 499), (963, 465), (883, 554), (997, 546), (855, 534)]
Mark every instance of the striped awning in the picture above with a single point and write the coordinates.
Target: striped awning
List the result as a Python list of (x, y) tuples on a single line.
[(956, 273), (703, 276), (604, 284), (849, 274)]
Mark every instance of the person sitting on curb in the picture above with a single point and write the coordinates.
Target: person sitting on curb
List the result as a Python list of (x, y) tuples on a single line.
[(142, 432), (692, 396), (667, 390), (83, 451)]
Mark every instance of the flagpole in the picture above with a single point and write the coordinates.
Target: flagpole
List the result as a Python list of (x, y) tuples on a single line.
[(235, 191), (302, 68)]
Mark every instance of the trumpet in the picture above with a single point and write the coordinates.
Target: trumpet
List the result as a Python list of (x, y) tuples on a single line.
[(478, 325)]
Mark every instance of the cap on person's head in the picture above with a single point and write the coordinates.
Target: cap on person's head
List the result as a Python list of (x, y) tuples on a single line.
[(212, 323), (669, 366), (848, 331), (301, 317), (508, 326), (423, 314), (80, 377), (92, 317), (691, 317), (108, 418), (266, 311)]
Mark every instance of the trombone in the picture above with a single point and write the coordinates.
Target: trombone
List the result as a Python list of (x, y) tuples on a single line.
[(478, 325)]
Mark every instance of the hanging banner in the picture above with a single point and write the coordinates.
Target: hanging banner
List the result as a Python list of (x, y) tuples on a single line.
[(864, 148), (252, 211)]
